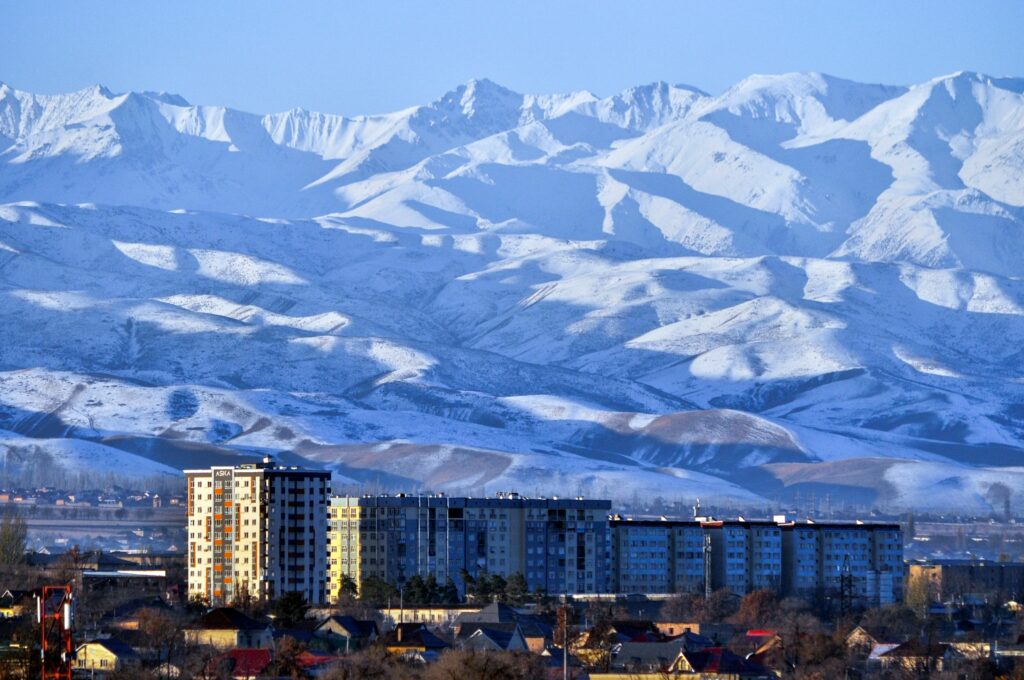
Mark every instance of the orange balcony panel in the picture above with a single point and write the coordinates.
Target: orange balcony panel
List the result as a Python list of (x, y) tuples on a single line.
[(227, 579), (218, 491), (227, 529), (218, 567)]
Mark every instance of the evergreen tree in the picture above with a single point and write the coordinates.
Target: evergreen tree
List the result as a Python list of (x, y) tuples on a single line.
[(289, 609), (496, 587), (468, 582), (375, 590), (431, 590), (516, 590), (449, 593), (415, 591), (349, 587), (480, 588)]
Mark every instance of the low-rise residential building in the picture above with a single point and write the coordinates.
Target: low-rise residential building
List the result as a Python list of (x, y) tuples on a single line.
[(494, 639), (496, 617), (412, 638), (228, 628), (346, 632), (240, 664), (15, 603), (435, 616), (105, 656), (916, 656)]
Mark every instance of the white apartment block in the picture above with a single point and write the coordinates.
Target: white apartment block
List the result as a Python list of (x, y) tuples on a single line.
[(258, 530)]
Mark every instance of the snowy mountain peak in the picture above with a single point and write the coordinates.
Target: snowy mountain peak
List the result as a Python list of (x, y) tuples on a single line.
[(753, 292), (167, 98), (480, 98), (806, 100)]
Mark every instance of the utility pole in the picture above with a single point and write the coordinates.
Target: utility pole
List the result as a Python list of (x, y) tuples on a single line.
[(707, 565), (565, 636), (845, 587)]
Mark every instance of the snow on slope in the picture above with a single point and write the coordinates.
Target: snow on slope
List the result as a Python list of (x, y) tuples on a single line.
[(735, 295)]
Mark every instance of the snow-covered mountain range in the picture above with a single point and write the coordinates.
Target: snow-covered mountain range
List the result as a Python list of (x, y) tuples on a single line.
[(803, 285)]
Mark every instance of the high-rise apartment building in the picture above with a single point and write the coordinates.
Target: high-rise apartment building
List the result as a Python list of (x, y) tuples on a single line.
[(558, 545), (643, 558), (257, 530), (801, 548), (861, 560)]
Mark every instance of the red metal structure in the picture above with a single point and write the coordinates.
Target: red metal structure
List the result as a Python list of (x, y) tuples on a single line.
[(55, 613)]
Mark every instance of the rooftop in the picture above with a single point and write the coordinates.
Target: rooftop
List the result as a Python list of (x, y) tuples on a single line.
[(227, 618)]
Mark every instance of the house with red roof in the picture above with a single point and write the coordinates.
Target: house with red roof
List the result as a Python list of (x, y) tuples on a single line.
[(240, 664)]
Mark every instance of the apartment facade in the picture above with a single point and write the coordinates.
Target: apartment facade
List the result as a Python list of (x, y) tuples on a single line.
[(642, 558), (859, 559), (257, 530), (558, 545), (801, 550), (730, 556), (945, 580)]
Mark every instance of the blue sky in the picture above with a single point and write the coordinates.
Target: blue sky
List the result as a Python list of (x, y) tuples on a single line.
[(380, 56)]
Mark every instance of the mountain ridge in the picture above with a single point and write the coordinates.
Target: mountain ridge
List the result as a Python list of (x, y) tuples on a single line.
[(660, 289)]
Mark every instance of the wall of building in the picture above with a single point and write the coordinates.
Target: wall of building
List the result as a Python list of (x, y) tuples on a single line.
[(97, 657), (558, 545), (264, 531), (946, 580), (258, 531), (793, 559)]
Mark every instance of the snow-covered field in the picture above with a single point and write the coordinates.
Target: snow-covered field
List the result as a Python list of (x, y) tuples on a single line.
[(804, 284)]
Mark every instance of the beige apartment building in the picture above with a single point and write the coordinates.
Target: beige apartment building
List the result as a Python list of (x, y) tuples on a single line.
[(257, 530)]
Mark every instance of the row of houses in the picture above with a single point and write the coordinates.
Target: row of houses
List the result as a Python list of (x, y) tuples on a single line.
[(114, 497), (225, 642)]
